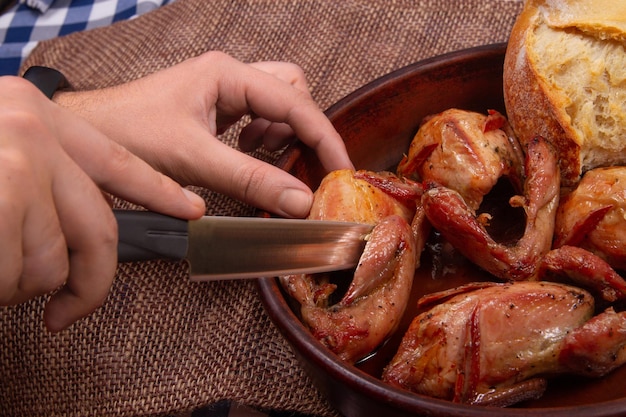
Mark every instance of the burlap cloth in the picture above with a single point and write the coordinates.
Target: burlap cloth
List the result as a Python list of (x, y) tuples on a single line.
[(161, 344)]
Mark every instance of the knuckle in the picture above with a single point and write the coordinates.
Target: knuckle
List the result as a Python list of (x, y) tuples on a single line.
[(295, 70), (109, 233), (22, 121), (99, 233), (249, 179), (24, 278), (39, 285), (118, 163), (17, 86), (15, 164), (46, 269), (212, 58)]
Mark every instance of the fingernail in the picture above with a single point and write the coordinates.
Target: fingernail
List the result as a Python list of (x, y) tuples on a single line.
[(295, 203), (194, 198)]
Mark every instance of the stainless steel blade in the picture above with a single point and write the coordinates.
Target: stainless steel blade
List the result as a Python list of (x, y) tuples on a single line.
[(245, 247)]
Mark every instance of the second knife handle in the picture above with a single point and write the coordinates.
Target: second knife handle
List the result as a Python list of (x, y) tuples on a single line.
[(145, 235)]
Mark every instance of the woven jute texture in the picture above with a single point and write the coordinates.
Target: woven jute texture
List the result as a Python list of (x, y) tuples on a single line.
[(160, 344)]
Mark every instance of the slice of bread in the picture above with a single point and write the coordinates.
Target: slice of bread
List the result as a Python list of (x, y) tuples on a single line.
[(565, 79)]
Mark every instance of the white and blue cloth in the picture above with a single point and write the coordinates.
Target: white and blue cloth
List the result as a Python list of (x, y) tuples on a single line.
[(28, 22)]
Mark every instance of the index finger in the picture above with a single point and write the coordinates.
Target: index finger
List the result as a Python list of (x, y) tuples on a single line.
[(278, 101)]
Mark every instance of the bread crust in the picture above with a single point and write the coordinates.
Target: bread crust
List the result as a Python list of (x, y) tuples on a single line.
[(536, 106), (531, 108)]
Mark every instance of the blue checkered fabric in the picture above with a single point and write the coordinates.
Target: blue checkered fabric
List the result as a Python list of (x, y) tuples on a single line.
[(29, 21)]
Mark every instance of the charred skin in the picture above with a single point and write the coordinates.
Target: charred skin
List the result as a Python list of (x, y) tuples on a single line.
[(577, 265), (484, 343), (495, 344), (592, 216), (449, 213), (464, 151), (355, 196), (370, 310)]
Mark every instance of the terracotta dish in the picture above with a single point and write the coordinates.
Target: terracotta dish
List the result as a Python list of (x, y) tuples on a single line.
[(377, 123)]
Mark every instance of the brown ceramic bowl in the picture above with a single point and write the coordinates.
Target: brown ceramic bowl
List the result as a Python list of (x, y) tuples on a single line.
[(377, 123)]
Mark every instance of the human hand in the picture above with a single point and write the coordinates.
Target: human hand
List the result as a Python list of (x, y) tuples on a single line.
[(57, 229), (171, 119)]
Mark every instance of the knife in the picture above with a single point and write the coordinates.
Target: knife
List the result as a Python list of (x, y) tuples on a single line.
[(221, 247)]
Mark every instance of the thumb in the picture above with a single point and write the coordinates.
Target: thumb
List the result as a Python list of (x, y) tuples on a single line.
[(116, 170)]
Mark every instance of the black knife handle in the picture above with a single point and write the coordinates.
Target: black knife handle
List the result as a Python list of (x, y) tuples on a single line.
[(145, 235)]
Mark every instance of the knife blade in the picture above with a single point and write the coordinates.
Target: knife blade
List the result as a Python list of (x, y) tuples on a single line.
[(221, 247)]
